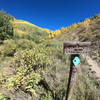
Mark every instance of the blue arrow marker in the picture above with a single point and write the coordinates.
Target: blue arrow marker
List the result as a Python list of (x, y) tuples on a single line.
[(76, 61)]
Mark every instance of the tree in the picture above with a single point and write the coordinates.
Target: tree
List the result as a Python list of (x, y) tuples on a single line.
[(6, 28)]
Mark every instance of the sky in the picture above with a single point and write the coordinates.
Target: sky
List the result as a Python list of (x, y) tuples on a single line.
[(51, 14)]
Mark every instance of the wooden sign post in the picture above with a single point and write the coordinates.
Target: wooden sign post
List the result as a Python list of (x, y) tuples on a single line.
[(74, 49)]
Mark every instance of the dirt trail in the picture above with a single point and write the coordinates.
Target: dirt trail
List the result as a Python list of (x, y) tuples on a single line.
[(94, 66)]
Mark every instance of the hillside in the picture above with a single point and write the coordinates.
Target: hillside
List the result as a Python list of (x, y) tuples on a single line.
[(24, 28), (88, 30), (33, 66)]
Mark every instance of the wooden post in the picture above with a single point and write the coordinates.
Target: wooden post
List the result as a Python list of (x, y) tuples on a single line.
[(74, 48), (72, 76)]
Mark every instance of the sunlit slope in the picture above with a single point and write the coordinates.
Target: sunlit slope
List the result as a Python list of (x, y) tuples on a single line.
[(83, 31), (24, 28), (87, 30)]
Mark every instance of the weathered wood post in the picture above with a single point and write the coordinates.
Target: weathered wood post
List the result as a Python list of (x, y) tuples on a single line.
[(74, 49)]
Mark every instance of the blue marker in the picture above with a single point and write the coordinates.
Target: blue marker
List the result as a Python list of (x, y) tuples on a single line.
[(76, 61)]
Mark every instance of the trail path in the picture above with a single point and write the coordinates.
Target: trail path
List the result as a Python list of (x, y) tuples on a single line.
[(94, 66)]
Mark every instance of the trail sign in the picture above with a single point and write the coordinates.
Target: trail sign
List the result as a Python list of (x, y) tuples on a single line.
[(75, 49)]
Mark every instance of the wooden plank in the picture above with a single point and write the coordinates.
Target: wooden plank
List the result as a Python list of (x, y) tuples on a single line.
[(76, 47)]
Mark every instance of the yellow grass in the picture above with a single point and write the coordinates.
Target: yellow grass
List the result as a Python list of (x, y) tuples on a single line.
[(20, 32), (16, 22), (22, 22)]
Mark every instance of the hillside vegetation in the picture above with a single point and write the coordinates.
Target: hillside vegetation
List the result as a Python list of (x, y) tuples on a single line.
[(33, 66), (24, 27)]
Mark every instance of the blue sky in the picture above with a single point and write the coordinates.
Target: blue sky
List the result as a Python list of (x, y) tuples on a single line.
[(51, 14)]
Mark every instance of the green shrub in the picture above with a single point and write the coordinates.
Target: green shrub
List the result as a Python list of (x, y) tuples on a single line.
[(32, 58), (6, 29), (8, 48), (27, 64), (46, 96), (25, 44), (4, 97)]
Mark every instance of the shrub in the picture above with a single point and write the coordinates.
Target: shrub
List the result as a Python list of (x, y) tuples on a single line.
[(32, 58), (8, 48), (6, 29), (27, 64), (4, 97), (25, 44)]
